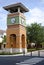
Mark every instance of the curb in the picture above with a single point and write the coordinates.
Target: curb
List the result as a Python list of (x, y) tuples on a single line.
[(11, 55)]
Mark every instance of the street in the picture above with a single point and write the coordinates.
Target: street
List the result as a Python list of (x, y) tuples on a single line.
[(22, 60)]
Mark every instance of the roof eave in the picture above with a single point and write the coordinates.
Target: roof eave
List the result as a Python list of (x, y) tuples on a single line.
[(15, 5)]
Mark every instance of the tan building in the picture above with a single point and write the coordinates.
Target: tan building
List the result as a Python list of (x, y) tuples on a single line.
[(16, 28)]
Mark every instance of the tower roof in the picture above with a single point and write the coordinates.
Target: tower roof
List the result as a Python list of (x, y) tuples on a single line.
[(14, 7)]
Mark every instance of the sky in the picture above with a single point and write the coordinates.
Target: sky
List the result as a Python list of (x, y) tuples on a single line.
[(35, 14)]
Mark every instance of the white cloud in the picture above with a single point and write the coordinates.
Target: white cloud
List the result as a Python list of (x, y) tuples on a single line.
[(36, 15), (2, 19)]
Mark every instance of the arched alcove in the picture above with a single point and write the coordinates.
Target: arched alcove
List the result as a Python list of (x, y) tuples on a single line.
[(23, 40), (13, 40)]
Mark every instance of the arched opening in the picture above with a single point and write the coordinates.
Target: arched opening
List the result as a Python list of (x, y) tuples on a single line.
[(13, 40), (23, 41)]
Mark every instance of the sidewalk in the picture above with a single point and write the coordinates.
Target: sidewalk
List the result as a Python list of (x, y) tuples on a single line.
[(34, 53)]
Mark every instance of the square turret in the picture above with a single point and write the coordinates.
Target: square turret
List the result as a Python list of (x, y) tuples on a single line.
[(16, 15), (16, 31)]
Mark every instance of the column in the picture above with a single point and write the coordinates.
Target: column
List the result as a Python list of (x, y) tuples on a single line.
[(24, 45), (18, 9), (18, 43)]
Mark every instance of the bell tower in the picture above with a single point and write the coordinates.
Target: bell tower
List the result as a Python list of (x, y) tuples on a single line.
[(16, 28)]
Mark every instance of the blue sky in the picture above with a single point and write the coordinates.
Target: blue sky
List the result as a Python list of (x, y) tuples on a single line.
[(36, 13)]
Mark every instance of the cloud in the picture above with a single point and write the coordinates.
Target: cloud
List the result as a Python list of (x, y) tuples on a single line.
[(3, 18), (36, 15)]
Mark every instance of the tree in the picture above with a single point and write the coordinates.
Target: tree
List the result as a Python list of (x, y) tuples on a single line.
[(35, 33), (4, 39)]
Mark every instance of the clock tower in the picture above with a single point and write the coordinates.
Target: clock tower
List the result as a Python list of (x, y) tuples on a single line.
[(16, 28)]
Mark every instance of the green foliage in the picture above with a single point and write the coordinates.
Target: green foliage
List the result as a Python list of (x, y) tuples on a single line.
[(29, 50), (4, 53), (35, 33), (42, 43), (4, 38), (34, 49)]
